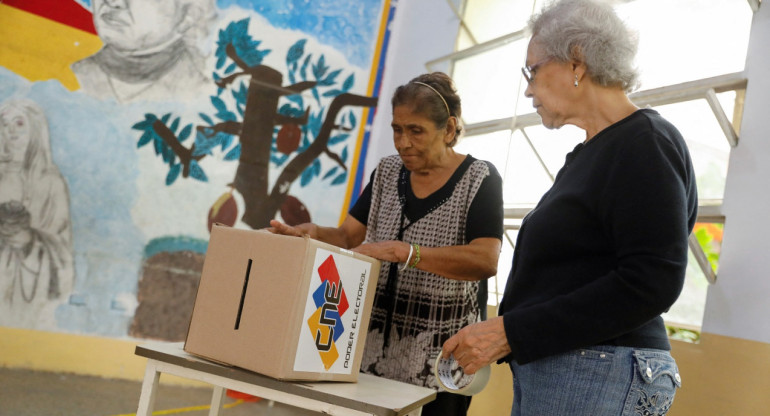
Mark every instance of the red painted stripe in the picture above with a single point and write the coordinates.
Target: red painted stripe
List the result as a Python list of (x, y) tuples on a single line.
[(67, 12)]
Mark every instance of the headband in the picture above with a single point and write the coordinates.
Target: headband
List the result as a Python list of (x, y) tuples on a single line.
[(438, 93)]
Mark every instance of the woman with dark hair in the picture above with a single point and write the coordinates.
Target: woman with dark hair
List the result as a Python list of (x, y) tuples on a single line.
[(604, 252), (435, 218)]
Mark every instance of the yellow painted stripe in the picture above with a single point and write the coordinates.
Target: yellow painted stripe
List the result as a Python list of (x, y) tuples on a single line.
[(365, 114), (187, 409), (78, 354), (40, 49)]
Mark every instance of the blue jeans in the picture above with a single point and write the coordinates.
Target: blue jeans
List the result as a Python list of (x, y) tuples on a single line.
[(597, 381)]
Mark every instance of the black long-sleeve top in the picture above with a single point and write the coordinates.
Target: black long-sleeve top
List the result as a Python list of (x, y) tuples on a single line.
[(604, 252)]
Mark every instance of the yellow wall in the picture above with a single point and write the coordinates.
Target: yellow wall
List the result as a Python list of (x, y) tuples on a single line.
[(78, 354), (722, 376), (497, 397)]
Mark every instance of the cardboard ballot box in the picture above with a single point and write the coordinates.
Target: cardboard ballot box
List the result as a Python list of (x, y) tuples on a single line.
[(287, 307)]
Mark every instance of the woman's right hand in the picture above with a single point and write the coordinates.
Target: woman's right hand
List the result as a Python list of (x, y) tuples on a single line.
[(394, 251), (300, 230)]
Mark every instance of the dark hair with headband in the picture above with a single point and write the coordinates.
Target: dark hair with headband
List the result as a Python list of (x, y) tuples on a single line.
[(434, 96)]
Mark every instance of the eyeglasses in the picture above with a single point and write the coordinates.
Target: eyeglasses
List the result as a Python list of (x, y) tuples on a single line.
[(530, 70)]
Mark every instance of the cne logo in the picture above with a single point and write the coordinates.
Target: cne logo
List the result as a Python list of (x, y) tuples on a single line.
[(331, 303)]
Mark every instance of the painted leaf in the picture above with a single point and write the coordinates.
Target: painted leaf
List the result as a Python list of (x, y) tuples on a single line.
[(306, 177), (185, 133), (218, 104), (174, 125), (331, 78), (338, 139), (146, 123), (173, 173), (331, 172), (340, 179), (224, 140), (234, 153), (206, 118), (197, 172), (303, 69), (348, 84), (146, 138), (296, 51)]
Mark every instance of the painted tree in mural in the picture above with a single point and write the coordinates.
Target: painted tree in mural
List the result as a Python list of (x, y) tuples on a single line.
[(292, 136)]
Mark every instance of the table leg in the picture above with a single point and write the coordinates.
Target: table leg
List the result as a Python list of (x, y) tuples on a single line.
[(415, 412), (216, 400), (149, 388)]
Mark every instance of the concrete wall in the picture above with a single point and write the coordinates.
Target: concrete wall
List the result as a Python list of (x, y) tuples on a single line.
[(726, 373), (736, 305)]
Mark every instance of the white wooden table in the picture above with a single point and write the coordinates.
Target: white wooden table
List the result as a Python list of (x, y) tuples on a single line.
[(369, 396)]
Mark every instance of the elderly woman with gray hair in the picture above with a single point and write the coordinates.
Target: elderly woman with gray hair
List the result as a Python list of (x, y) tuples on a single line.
[(604, 252)]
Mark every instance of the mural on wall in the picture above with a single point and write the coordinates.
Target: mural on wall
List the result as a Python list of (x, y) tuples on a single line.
[(150, 50), (36, 258), (288, 135), (165, 117)]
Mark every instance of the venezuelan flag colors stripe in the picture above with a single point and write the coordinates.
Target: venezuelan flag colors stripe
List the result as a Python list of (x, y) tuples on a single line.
[(355, 184), (39, 48), (66, 12)]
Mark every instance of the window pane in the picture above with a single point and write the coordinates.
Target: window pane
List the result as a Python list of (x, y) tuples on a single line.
[(709, 236), (690, 306), (490, 19), (525, 180), (553, 145), (496, 285), (491, 147), (708, 145), (490, 83), (684, 40)]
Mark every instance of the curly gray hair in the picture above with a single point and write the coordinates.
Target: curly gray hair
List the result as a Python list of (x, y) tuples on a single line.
[(590, 32)]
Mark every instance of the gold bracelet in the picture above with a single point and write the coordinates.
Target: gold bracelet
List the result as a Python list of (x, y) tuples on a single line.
[(416, 256)]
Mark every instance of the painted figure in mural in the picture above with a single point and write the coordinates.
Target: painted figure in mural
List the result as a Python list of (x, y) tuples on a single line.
[(36, 256), (435, 217), (150, 50), (604, 253)]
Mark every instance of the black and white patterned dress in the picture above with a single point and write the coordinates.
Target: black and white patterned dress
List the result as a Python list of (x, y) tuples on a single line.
[(415, 311)]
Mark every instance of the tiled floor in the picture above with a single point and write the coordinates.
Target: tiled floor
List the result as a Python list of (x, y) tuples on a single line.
[(33, 393)]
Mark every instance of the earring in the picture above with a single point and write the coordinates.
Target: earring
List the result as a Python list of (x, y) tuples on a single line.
[(576, 80)]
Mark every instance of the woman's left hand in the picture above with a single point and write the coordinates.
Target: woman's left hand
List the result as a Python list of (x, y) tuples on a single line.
[(392, 250)]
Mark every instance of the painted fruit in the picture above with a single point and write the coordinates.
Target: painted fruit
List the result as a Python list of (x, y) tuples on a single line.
[(224, 210), (288, 138), (293, 211)]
